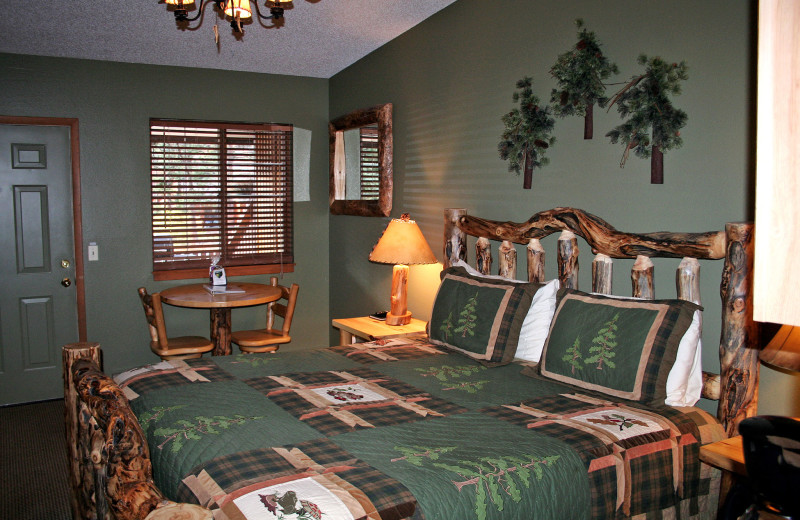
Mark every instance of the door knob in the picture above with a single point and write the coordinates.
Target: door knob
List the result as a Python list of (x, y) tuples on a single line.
[(66, 282)]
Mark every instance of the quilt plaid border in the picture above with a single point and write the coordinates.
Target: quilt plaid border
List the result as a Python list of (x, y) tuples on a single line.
[(215, 484), (394, 349), (335, 402), (625, 472), (183, 372)]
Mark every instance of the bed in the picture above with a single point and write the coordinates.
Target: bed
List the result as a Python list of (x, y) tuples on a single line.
[(527, 399)]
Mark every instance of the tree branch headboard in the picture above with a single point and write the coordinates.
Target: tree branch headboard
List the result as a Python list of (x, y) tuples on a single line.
[(736, 386)]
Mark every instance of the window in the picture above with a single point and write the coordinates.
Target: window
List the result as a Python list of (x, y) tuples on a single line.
[(220, 189), (370, 168)]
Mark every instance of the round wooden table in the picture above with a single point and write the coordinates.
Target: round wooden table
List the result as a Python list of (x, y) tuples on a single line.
[(220, 304)]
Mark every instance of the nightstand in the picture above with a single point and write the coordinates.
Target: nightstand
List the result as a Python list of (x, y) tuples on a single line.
[(726, 454), (368, 329)]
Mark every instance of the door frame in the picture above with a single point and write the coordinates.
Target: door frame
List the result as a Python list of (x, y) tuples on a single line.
[(77, 222)]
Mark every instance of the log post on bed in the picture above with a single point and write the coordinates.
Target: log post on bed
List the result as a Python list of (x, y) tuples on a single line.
[(568, 259), (687, 280), (535, 261), (110, 468), (455, 240), (69, 354), (483, 255), (739, 337), (507, 260), (642, 278), (602, 272)]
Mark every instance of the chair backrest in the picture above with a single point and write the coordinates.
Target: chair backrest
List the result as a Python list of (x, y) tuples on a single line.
[(154, 314), (279, 308)]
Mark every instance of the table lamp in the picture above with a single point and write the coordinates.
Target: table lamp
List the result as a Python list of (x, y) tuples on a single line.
[(784, 349), (402, 243)]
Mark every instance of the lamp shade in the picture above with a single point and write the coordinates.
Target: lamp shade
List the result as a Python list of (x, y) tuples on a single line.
[(238, 8), (784, 349), (402, 243), (180, 3)]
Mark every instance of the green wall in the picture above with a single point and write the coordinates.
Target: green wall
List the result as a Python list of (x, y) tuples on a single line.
[(113, 103), (452, 77)]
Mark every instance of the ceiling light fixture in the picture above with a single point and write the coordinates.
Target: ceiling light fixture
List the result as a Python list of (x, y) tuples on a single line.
[(236, 11)]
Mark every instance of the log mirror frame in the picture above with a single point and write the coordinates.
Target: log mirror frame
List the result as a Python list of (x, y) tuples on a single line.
[(339, 203)]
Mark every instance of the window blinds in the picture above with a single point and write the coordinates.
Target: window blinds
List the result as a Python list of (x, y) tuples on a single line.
[(220, 189)]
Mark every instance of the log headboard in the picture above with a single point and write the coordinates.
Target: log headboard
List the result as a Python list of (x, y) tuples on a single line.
[(736, 386)]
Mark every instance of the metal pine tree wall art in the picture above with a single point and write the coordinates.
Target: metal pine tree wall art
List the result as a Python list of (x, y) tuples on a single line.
[(653, 124), (527, 134), (580, 73)]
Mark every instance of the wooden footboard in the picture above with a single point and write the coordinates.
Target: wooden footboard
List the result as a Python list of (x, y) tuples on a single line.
[(110, 470)]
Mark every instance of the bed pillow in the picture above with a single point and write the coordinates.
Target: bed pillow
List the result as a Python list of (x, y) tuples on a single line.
[(685, 380), (624, 348), (537, 322), (479, 317)]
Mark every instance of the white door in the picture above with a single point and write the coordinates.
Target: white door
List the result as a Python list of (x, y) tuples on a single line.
[(38, 304)]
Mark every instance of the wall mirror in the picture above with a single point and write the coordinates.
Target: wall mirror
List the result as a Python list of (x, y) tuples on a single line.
[(361, 162)]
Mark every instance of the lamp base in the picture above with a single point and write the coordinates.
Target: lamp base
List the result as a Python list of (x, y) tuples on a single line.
[(398, 319), (398, 313)]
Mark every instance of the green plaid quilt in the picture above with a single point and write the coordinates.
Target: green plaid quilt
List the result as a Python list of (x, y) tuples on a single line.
[(405, 429)]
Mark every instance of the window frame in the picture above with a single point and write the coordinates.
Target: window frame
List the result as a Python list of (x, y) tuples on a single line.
[(240, 158)]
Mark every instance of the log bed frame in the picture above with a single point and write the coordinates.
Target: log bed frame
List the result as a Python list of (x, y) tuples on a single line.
[(110, 468)]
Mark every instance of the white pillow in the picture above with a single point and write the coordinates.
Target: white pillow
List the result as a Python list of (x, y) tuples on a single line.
[(536, 325), (685, 379)]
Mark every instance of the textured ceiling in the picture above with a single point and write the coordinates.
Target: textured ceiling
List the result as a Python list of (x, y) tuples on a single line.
[(318, 39)]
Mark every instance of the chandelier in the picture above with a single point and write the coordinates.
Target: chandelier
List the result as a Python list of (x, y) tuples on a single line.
[(236, 11)]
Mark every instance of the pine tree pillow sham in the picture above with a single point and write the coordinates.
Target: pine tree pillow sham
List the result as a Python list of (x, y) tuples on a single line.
[(622, 348), (478, 317)]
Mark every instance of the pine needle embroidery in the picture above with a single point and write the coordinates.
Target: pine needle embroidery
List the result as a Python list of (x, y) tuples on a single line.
[(253, 361), (415, 455), (573, 356), (450, 375), (603, 345), (155, 415), (467, 318), (445, 372), (446, 328), (494, 478), (183, 430)]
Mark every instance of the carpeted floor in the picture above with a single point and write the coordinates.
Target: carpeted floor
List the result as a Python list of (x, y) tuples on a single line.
[(33, 462)]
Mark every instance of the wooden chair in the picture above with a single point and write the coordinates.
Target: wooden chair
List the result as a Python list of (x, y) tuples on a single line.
[(182, 347), (270, 338)]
